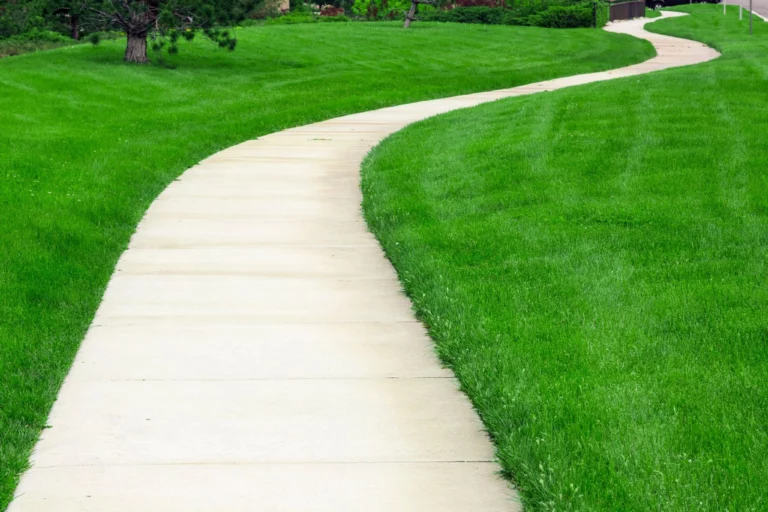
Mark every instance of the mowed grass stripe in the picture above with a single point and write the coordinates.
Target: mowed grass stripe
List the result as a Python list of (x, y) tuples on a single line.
[(591, 262), (86, 143)]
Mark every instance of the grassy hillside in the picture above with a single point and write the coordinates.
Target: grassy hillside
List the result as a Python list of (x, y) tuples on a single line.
[(592, 263), (87, 143)]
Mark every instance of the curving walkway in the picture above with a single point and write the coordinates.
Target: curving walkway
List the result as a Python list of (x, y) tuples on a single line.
[(253, 350)]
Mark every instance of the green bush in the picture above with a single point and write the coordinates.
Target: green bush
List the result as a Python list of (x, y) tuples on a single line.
[(565, 16), (300, 7), (295, 18), (561, 15), (31, 41), (603, 13), (292, 18), (97, 37), (297, 5), (381, 9), (20, 16), (484, 15), (41, 35)]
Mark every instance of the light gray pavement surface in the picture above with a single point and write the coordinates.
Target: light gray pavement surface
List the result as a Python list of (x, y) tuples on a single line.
[(760, 7), (254, 351)]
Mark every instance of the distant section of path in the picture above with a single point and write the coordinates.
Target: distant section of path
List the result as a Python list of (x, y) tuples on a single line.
[(254, 350)]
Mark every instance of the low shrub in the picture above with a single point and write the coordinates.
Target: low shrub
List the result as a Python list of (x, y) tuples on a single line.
[(292, 18), (32, 41), (295, 18), (20, 17), (41, 35), (97, 37), (301, 7), (479, 3), (381, 9), (603, 13), (565, 16), (475, 14), (561, 15)]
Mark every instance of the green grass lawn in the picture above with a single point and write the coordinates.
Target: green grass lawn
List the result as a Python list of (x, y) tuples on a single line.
[(86, 143), (592, 263), (650, 13)]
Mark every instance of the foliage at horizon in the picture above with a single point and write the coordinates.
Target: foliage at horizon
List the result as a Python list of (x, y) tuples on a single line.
[(163, 22)]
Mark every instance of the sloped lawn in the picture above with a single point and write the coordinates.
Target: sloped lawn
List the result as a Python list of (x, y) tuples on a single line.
[(593, 264), (87, 142)]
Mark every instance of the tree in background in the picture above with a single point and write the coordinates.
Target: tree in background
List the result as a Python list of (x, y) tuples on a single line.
[(19, 16), (395, 9), (380, 9), (165, 21), (412, 11), (68, 12)]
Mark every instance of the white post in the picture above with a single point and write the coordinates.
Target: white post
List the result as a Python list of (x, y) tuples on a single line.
[(740, 15), (724, 2)]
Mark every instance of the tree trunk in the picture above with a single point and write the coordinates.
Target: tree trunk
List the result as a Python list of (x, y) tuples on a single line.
[(136, 50), (411, 14), (74, 25)]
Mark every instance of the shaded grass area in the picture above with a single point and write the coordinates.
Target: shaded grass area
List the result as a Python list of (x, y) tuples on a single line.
[(592, 263), (87, 143), (12, 47)]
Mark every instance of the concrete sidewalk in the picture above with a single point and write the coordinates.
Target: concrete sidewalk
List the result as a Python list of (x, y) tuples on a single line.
[(759, 7), (254, 350)]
